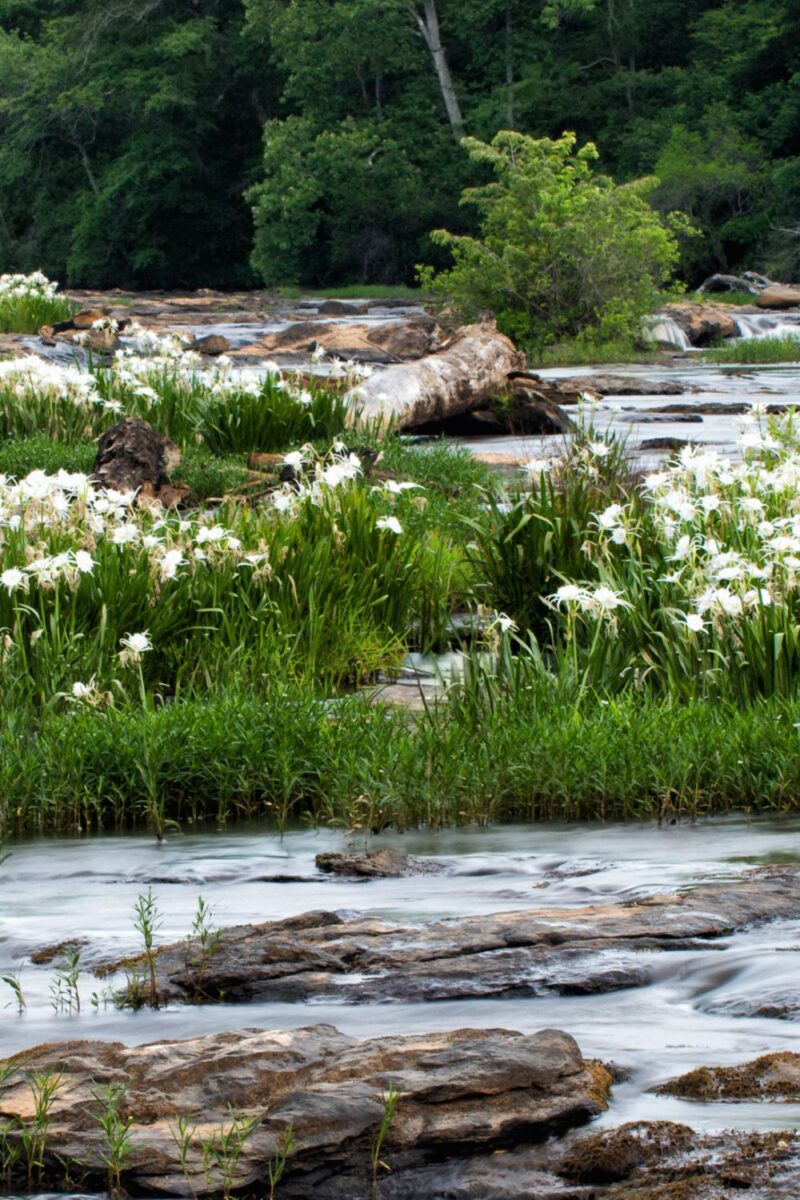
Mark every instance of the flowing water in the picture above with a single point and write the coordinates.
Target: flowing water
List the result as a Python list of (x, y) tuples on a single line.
[(51, 890)]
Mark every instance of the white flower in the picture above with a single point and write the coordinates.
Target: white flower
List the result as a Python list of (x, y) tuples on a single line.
[(599, 449), (136, 643), (294, 459), (81, 690), (398, 488), (390, 523), (84, 562), (610, 517), (605, 600), (13, 579), (568, 593), (694, 622)]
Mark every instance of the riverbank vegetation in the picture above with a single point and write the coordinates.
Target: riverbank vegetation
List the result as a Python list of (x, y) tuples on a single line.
[(163, 666), (140, 143), (757, 351)]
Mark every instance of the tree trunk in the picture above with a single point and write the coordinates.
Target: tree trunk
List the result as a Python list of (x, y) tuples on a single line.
[(471, 369), (510, 114), (428, 22)]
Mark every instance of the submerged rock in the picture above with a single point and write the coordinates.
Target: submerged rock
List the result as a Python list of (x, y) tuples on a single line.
[(771, 1077), (595, 948), (461, 1093), (376, 864), (616, 385)]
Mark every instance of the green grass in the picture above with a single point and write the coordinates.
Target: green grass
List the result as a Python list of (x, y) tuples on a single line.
[(580, 354), (738, 298), (27, 314), (754, 351), (21, 455), (288, 756)]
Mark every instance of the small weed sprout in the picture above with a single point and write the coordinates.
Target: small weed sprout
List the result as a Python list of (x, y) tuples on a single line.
[(9, 1152), (390, 1100), (223, 1150), (12, 979), (117, 1131), (183, 1132), (147, 920), (65, 996), (206, 937), (277, 1164), (44, 1085)]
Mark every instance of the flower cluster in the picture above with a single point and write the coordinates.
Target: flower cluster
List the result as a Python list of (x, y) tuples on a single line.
[(18, 287)]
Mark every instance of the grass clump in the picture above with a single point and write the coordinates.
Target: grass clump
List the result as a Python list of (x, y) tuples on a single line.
[(29, 301), (757, 351)]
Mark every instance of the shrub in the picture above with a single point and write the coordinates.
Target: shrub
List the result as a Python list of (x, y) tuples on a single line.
[(563, 250)]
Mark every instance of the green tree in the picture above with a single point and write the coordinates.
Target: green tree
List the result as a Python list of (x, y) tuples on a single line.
[(563, 251)]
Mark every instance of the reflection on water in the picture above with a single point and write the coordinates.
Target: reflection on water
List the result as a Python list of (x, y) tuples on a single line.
[(688, 1015)]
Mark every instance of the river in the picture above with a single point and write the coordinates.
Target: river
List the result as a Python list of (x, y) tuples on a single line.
[(57, 889)]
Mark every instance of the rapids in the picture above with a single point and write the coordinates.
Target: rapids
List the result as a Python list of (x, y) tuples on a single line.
[(54, 890)]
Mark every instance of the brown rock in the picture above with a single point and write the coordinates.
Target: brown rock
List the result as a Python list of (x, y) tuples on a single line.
[(771, 1077), (392, 342), (366, 960), (460, 1093), (131, 456), (212, 345), (779, 295), (376, 864), (703, 323)]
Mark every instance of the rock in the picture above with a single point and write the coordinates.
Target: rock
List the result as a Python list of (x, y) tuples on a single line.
[(779, 295), (392, 342), (342, 308), (716, 408), (664, 443), (735, 283), (131, 456), (534, 411), (323, 956), (376, 864), (613, 385), (212, 345), (773, 1077), (461, 1093), (615, 1154), (80, 330), (637, 417), (703, 323)]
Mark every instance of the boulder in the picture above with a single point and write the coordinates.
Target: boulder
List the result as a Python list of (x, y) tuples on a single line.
[(212, 346), (131, 456), (80, 330), (779, 295), (703, 323), (392, 342), (749, 282), (357, 960), (460, 1093), (375, 864)]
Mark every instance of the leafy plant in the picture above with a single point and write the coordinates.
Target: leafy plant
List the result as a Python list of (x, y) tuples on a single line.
[(147, 920), (116, 1127), (390, 1099)]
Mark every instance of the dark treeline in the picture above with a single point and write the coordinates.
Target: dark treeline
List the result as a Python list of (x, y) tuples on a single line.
[(166, 143)]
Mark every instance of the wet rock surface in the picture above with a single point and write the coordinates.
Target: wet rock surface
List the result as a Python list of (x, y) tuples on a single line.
[(321, 955), (703, 324), (461, 1093), (376, 864), (771, 1077)]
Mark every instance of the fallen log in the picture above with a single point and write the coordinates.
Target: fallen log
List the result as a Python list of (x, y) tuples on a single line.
[(471, 369)]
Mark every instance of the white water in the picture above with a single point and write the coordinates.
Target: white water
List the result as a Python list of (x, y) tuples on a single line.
[(56, 889)]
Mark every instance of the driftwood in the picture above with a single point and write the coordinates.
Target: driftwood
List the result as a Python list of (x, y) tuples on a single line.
[(471, 369)]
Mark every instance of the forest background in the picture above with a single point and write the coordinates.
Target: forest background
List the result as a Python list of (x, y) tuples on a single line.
[(232, 143)]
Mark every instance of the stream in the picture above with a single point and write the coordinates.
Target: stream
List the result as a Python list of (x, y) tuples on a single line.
[(684, 1018)]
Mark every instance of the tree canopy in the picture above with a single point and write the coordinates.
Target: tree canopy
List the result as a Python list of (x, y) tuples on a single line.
[(155, 143)]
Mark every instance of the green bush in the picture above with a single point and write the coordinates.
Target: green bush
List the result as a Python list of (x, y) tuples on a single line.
[(564, 250)]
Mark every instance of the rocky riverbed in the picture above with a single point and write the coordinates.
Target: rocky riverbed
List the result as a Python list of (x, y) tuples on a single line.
[(435, 984)]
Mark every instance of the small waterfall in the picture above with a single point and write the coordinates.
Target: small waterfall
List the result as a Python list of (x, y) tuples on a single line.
[(662, 331), (764, 325)]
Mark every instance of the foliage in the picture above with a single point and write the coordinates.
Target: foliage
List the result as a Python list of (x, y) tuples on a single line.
[(563, 251), (757, 350), (29, 301)]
